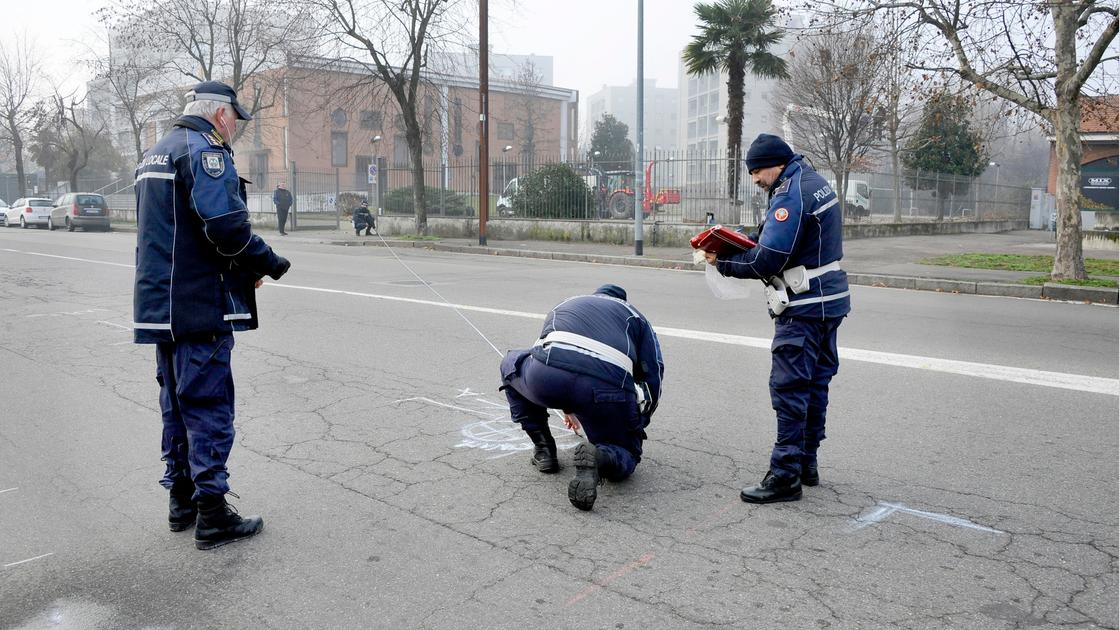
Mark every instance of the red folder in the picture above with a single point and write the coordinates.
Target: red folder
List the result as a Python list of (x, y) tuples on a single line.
[(720, 239)]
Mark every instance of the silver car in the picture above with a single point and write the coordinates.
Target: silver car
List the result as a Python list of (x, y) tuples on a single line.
[(79, 210), (29, 211)]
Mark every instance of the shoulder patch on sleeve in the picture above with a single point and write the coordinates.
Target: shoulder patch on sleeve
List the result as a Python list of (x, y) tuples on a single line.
[(781, 214), (213, 162)]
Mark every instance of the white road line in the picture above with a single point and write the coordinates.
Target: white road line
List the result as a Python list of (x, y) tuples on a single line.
[(1043, 378), (99, 262), (101, 321), (12, 564), (8, 490)]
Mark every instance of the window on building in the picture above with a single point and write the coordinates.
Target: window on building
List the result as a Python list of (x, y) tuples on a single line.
[(400, 155), (713, 101), (259, 170), (701, 127), (691, 130), (338, 118), (361, 171), (692, 107), (339, 148), (504, 131), (371, 120)]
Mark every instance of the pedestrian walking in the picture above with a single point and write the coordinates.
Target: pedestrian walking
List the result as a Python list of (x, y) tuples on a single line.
[(281, 198)]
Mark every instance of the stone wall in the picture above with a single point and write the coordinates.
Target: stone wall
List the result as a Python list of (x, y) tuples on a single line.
[(656, 234)]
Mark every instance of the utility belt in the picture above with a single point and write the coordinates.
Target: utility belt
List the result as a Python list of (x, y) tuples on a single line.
[(602, 352), (795, 279)]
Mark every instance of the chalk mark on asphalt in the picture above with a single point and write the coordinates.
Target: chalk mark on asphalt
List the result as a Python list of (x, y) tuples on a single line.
[(13, 564), (883, 510)]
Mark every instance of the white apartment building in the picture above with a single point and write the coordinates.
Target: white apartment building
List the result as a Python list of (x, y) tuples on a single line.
[(661, 113)]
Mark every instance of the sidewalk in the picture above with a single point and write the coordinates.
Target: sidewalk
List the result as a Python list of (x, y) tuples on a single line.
[(885, 262)]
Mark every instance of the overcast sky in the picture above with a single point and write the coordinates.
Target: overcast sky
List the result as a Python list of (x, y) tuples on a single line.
[(593, 42)]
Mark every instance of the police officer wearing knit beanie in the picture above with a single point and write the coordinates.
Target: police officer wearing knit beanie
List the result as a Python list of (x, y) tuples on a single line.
[(800, 243)]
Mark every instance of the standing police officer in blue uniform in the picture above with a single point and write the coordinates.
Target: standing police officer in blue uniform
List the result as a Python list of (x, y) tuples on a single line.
[(198, 264), (599, 361), (800, 243)]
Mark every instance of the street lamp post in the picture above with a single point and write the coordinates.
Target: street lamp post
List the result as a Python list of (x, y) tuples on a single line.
[(377, 177), (998, 167), (504, 182)]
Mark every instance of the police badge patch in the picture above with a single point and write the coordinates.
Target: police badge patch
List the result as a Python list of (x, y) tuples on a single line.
[(213, 162)]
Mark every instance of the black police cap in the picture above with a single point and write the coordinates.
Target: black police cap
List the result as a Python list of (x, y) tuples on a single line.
[(218, 91)]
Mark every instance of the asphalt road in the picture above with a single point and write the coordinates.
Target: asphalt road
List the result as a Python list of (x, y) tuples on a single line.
[(968, 478)]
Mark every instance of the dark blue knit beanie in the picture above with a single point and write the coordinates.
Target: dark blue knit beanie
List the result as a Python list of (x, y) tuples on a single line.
[(768, 150), (612, 290)]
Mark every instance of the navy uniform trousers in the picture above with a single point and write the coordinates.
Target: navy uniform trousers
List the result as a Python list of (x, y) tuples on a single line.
[(608, 412), (196, 397), (805, 358)]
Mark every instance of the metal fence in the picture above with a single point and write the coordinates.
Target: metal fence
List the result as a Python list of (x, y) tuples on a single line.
[(681, 188)]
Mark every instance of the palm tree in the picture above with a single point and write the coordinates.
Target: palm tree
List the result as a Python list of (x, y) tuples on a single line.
[(735, 35)]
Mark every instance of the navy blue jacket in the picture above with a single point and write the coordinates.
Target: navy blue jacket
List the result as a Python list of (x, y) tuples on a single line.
[(282, 198), (803, 226), (615, 323), (197, 258)]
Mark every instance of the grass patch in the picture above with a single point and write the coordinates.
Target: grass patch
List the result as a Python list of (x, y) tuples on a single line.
[(1016, 262), (416, 237), (1090, 282)]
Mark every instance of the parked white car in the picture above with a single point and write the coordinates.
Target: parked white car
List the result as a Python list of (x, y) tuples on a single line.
[(4, 212), (29, 211)]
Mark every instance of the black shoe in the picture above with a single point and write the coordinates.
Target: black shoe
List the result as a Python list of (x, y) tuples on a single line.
[(367, 233), (544, 456), (219, 524), (283, 233), (182, 511), (773, 489), (583, 489), (810, 474)]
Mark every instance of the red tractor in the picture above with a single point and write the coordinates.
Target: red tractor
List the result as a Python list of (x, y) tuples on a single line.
[(618, 192)]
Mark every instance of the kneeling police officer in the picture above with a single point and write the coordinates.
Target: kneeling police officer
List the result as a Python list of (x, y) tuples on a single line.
[(599, 361), (198, 264)]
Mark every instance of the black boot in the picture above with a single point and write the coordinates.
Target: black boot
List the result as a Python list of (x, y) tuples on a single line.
[(583, 489), (544, 456), (773, 489), (182, 510), (810, 474), (220, 524)]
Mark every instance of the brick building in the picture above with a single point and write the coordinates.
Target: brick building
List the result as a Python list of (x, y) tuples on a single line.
[(324, 122)]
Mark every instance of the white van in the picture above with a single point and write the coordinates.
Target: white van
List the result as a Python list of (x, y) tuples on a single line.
[(857, 202), (505, 199)]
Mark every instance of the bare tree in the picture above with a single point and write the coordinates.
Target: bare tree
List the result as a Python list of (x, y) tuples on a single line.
[(67, 135), (393, 42), (831, 98), (1039, 56), (19, 72), (235, 41), (135, 80), (531, 110)]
